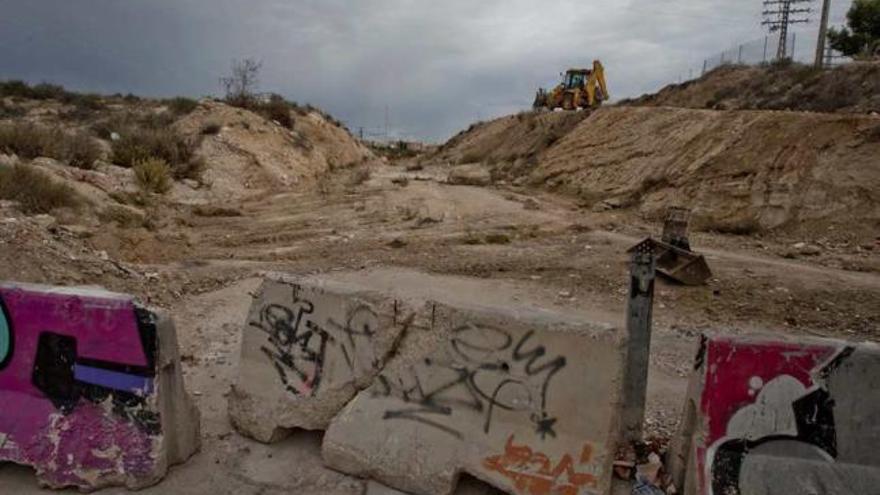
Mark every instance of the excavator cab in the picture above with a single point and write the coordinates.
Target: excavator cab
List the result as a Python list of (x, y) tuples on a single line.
[(576, 79), (580, 88)]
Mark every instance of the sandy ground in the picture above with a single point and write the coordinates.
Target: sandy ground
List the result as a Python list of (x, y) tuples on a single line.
[(552, 252)]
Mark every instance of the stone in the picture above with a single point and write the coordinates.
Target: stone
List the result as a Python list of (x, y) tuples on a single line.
[(768, 415), (805, 249), (308, 347), (531, 205), (8, 160), (511, 396), (469, 175), (610, 204), (95, 380)]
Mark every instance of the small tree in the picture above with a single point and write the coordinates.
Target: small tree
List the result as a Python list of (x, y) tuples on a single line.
[(241, 86), (861, 37)]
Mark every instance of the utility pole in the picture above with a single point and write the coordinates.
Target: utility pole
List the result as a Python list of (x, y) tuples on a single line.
[(639, 315), (829, 56), (823, 34), (779, 15), (387, 121)]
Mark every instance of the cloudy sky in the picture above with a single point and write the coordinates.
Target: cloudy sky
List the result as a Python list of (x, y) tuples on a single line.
[(437, 65)]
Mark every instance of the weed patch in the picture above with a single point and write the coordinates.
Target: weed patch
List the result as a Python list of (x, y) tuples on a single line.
[(153, 175), (35, 190)]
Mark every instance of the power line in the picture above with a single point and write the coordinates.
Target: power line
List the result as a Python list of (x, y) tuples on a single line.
[(786, 14)]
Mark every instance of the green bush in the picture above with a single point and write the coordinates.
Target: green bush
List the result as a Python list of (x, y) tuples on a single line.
[(153, 175), (34, 190), (861, 37)]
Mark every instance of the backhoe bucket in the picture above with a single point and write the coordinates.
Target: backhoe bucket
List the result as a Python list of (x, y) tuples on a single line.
[(684, 267), (540, 99)]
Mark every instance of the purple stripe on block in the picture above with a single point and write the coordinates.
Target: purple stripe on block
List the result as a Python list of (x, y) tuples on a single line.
[(139, 385)]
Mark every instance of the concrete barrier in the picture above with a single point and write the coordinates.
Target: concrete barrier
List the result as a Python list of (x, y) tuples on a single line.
[(308, 347), (766, 416), (91, 393), (431, 377), (527, 402)]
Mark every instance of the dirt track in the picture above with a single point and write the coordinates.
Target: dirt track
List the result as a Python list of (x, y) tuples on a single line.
[(548, 249)]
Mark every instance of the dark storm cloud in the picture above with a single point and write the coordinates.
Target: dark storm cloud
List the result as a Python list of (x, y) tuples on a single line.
[(436, 65)]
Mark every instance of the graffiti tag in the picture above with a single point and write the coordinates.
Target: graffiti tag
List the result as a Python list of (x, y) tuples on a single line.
[(492, 371), (533, 473), (298, 345)]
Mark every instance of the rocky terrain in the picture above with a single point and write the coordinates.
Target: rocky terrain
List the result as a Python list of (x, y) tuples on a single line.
[(850, 88), (785, 204)]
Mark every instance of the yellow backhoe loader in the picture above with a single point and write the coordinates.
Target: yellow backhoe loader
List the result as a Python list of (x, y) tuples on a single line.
[(580, 88)]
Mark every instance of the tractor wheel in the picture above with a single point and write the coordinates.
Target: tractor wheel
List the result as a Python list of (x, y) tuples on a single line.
[(568, 102)]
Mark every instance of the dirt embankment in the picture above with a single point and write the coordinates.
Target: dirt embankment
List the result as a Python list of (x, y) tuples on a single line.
[(741, 172), (851, 88), (243, 154), (249, 153), (514, 139)]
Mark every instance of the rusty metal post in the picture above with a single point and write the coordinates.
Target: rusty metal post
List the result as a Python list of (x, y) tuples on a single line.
[(638, 324)]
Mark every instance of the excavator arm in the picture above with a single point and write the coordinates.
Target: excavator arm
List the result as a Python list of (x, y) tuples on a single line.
[(597, 81)]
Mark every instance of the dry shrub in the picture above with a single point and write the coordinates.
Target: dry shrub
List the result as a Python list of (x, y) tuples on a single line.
[(153, 175), (116, 123), (192, 169), (277, 109), (138, 145), (31, 141), (35, 190), (471, 157), (42, 91), (157, 120), (129, 123), (11, 111), (324, 184), (123, 216), (211, 129), (359, 176), (215, 211), (743, 226), (497, 238), (81, 151), (873, 135), (181, 105), (26, 140)]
